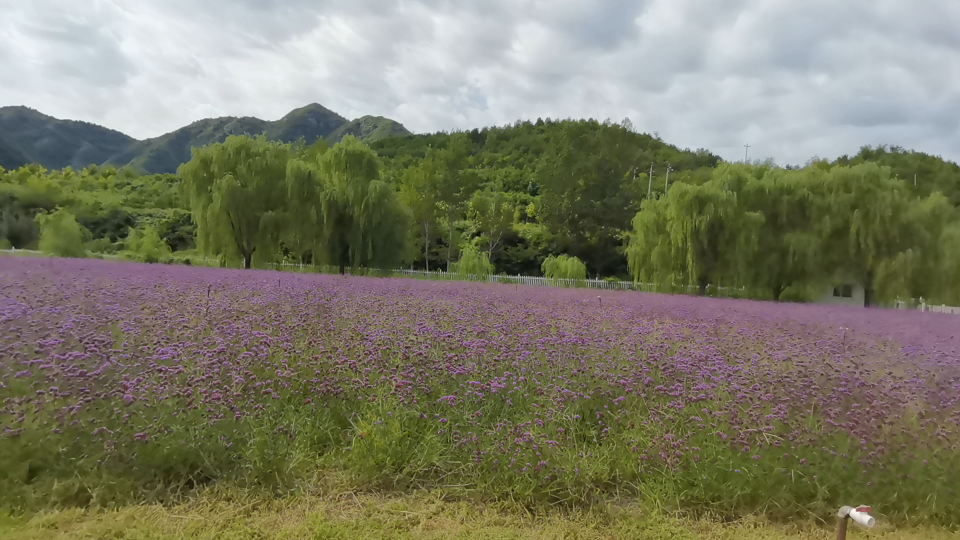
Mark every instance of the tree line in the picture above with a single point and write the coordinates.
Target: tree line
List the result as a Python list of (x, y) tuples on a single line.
[(546, 197)]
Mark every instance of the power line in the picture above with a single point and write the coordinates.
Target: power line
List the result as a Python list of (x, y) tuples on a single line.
[(746, 152)]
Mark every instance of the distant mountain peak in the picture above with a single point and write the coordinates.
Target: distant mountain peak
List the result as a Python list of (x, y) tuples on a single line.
[(23, 109), (370, 128), (311, 107)]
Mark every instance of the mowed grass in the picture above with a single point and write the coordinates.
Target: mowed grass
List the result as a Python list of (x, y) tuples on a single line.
[(350, 515)]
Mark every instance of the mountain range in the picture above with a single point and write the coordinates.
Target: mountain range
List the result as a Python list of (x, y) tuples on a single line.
[(29, 136)]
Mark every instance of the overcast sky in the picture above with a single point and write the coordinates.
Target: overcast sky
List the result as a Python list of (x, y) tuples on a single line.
[(793, 78)]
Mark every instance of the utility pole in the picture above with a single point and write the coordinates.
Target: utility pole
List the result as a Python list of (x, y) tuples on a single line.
[(650, 181), (666, 184), (746, 152)]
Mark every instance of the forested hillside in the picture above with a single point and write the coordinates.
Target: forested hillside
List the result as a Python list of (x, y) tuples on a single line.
[(518, 195), (30, 137)]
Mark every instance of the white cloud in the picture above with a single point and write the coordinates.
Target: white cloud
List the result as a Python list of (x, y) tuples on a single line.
[(794, 79)]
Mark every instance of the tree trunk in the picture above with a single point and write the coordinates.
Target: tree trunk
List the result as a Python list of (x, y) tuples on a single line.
[(777, 291), (343, 262), (868, 291), (702, 286), (426, 246), (248, 258), (449, 243)]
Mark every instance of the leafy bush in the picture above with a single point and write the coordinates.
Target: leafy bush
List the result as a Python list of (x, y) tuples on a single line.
[(473, 264), (61, 235), (102, 245), (564, 267), (145, 245)]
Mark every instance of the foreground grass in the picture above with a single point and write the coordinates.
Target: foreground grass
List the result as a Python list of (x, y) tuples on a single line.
[(424, 516)]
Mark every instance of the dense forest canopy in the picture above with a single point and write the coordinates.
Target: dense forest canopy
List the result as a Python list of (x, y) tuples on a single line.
[(520, 196)]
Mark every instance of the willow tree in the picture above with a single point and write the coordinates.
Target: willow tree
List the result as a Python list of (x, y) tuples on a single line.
[(303, 193), (473, 264), (788, 244), (694, 235), (235, 191), (948, 262), (360, 221), (564, 267), (926, 265), (864, 220)]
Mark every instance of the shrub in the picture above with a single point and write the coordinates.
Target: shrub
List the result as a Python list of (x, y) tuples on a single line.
[(473, 264), (145, 245), (61, 235), (564, 267)]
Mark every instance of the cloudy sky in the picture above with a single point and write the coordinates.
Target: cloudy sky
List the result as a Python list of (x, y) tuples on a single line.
[(793, 78)]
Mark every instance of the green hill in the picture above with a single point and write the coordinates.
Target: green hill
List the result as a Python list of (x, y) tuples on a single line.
[(11, 156), (28, 136), (311, 122), (167, 152), (370, 129)]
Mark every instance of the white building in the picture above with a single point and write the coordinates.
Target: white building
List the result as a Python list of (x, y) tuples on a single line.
[(843, 293)]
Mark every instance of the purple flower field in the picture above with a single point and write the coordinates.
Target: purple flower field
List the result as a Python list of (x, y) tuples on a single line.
[(124, 382)]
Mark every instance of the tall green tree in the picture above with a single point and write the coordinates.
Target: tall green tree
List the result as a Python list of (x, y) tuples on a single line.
[(303, 195), (360, 221), (788, 245), (922, 174), (456, 184), (234, 190), (309, 153), (494, 217), (948, 263), (864, 220), (419, 192), (919, 270), (695, 235), (590, 190)]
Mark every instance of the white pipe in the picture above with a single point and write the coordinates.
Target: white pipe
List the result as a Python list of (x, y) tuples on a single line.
[(862, 518)]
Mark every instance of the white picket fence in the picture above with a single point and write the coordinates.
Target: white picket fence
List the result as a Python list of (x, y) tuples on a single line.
[(927, 308), (534, 281)]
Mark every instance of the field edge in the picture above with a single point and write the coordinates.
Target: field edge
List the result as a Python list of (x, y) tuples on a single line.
[(427, 515)]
